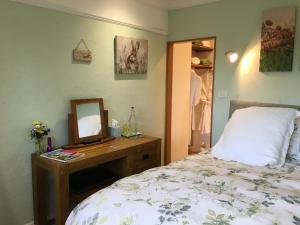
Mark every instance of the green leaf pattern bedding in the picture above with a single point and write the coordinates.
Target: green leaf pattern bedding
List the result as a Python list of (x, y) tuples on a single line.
[(197, 190)]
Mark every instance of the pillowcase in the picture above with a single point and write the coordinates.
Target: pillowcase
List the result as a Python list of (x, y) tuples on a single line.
[(293, 154), (257, 136)]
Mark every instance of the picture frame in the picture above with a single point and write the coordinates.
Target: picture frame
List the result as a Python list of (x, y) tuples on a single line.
[(131, 55), (277, 39)]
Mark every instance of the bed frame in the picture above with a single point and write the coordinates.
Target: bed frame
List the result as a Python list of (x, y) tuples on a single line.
[(235, 104)]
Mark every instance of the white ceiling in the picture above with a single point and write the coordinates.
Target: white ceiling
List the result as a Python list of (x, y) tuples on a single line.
[(176, 4)]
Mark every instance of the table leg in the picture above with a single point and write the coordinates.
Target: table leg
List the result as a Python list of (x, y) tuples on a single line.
[(61, 178), (39, 194)]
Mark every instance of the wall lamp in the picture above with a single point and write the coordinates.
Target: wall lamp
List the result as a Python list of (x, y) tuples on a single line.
[(232, 56)]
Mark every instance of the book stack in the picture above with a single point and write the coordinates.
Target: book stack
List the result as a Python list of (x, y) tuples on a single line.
[(62, 155)]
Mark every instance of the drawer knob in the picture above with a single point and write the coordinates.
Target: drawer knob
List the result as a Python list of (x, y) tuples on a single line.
[(146, 156)]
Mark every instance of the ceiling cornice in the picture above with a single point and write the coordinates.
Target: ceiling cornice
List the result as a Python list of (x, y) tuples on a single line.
[(149, 15), (73, 11), (176, 4), (179, 4)]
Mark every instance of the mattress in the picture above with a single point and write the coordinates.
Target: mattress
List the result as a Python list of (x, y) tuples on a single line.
[(197, 190)]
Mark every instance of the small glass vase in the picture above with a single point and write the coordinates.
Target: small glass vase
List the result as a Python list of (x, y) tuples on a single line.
[(39, 146)]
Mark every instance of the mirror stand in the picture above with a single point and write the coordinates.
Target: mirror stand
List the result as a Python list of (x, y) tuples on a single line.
[(75, 141)]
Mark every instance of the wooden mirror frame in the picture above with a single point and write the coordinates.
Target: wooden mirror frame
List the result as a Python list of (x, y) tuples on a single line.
[(89, 139)]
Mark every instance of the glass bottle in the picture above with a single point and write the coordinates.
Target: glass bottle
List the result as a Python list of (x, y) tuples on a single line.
[(49, 147), (132, 121)]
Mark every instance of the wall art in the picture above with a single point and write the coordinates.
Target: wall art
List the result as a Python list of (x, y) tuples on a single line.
[(82, 55), (131, 55), (277, 40)]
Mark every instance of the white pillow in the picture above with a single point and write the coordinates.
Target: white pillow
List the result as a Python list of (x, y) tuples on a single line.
[(257, 136), (293, 154)]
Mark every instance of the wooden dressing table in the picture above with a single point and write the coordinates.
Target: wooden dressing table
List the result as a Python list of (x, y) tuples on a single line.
[(101, 165)]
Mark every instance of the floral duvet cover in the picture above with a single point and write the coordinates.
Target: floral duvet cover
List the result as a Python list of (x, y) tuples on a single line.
[(197, 190)]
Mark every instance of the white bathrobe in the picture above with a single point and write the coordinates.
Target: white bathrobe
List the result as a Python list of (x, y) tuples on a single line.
[(195, 96), (200, 109)]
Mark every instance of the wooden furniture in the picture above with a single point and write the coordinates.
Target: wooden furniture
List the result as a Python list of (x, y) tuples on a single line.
[(84, 114), (204, 52), (101, 165), (87, 108)]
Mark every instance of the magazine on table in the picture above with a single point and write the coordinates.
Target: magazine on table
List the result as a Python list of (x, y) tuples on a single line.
[(62, 155)]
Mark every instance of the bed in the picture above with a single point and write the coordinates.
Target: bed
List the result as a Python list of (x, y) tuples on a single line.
[(198, 190)]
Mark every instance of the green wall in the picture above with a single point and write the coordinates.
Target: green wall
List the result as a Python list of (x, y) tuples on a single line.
[(38, 78), (237, 26)]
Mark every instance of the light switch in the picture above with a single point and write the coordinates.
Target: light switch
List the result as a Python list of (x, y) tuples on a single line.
[(222, 94)]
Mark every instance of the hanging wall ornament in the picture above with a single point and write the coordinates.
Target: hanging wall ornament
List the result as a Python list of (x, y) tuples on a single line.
[(82, 55)]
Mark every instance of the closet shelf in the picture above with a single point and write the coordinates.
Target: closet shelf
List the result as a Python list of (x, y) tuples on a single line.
[(201, 66), (198, 48)]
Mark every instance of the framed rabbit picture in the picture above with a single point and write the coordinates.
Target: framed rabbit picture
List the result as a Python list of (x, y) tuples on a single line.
[(131, 55)]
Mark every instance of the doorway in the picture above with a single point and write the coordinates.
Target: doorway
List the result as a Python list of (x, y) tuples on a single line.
[(189, 108)]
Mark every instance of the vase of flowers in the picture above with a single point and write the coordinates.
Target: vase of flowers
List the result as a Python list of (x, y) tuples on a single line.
[(37, 133)]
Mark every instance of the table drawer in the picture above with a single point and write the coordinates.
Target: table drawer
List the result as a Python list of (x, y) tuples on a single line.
[(146, 156)]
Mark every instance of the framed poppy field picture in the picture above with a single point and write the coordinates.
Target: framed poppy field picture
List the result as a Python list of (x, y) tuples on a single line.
[(277, 40)]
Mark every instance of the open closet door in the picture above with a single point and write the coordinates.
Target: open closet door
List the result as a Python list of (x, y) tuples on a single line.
[(180, 117)]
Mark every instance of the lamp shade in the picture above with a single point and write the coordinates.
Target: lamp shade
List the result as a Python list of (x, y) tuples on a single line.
[(232, 56)]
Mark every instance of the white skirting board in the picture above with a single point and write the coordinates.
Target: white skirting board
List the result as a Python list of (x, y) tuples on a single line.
[(30, 223)]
